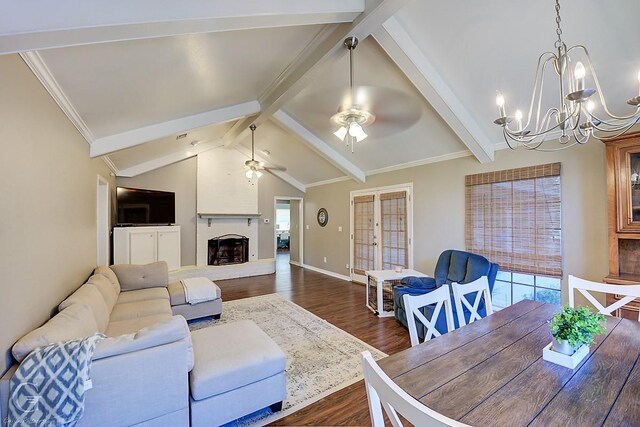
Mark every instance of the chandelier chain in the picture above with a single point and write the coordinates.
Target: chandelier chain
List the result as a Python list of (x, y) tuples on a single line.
[(558, 43)]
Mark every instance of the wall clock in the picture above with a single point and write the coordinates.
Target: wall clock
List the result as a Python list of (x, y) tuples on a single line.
[(323, 217)]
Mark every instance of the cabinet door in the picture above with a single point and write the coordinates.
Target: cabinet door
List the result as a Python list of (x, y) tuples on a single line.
[(169, 248), (142, 247), (629, 187)]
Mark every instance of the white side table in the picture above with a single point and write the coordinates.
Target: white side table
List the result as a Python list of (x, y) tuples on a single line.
[(380, 289)]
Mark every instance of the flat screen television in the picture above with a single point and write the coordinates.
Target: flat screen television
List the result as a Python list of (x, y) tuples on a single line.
[(137, 206)]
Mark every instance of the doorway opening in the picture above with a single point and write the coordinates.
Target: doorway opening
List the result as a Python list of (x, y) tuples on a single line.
[(288, 236)]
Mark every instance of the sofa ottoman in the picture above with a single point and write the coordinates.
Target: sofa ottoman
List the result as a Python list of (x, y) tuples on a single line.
[(179, 304), (238, 370)]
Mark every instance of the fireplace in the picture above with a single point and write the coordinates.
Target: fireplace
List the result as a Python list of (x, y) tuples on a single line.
[(228, 249)]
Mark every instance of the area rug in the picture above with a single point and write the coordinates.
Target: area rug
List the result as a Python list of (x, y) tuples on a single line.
[(321, 358)]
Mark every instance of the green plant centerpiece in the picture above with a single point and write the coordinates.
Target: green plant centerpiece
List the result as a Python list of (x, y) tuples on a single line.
[(574, 327)]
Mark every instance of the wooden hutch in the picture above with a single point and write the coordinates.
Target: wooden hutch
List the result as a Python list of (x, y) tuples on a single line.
[(623, 198)]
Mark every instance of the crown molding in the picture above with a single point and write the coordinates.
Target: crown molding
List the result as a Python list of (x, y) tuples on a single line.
[(329, 181), (111, 165), (39, 68), (422, 162)]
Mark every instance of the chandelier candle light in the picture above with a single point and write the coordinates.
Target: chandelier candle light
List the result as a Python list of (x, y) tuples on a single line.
[(353, 118), (574, 120)]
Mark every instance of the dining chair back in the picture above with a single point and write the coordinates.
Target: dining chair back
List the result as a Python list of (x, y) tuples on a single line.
[(627, 292), (414, 304), (382, 392), (480, 288)]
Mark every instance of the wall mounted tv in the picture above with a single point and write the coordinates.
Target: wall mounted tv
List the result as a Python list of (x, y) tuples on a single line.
[(137, 206)]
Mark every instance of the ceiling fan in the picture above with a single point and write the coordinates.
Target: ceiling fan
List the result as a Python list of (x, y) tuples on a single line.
[(254, 167), (383, 110)]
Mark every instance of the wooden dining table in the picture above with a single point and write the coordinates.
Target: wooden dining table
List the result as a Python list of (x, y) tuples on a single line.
[(491, 373)]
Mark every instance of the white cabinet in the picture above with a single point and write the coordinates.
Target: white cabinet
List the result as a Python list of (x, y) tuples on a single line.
[(142, 245)]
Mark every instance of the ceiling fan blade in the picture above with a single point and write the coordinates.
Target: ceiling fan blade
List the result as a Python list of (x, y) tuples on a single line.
[(394, 110)]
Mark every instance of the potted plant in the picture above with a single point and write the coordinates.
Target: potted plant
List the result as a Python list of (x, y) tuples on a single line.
[(574, 327), (573, 330)]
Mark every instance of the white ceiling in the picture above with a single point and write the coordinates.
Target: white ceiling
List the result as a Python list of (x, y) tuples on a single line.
[(442, 61)]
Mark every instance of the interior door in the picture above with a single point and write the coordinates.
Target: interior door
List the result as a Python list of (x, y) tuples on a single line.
[(381, 230), (363, 237)]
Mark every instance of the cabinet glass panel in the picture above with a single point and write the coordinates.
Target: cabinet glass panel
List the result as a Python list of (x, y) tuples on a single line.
[(634, 179)]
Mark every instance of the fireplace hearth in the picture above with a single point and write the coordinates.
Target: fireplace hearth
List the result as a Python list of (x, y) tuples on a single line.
[(228, 249)]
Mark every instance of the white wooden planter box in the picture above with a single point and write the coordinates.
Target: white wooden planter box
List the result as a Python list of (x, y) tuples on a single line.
[(562, 359)]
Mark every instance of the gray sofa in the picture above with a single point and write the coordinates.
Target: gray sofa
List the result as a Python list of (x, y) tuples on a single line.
[(140, 373)]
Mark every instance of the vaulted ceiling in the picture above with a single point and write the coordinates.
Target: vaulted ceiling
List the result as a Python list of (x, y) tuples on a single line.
[(134, 81)]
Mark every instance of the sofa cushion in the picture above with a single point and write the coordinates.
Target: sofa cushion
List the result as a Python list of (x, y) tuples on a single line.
[(133, 310), (106, 288), (90, 296), (133, 277), (109, 274), (131, 326), (246, 355), (160, 333), (143, 295), (74, 322)]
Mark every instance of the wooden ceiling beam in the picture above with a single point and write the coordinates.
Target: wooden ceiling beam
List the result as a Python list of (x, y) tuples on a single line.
[(128, 139), (402, 50), (326, 47), (27, 26)]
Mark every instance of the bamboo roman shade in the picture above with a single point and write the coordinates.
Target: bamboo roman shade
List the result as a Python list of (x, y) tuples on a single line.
[(513, 218)]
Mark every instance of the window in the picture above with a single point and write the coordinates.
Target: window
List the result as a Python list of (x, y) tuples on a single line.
[(511, 288), (513, 218)]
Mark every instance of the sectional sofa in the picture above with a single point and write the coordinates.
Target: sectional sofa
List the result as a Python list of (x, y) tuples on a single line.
[(145, 372)]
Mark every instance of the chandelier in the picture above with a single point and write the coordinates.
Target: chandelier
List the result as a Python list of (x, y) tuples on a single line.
[(574, 121), (351, 120)]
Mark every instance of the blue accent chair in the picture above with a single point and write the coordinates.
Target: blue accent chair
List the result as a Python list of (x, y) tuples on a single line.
[(452, 266)]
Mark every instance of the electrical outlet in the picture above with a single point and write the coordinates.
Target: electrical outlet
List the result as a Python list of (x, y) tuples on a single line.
[(340, 228), (325, 260), (307, 226), (267, 220), (347, 267)]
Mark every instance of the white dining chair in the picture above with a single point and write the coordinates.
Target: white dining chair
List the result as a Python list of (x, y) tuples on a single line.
[(627, 292), (413, 305), (382, 392), (481, 288)]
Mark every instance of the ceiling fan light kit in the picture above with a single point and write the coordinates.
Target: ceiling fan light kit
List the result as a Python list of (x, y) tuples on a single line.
[(574, 121), (352, 119)]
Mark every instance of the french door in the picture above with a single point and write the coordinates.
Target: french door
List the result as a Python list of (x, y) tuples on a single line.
[(381, 230)]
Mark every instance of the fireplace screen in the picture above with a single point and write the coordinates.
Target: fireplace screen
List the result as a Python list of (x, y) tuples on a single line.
[(228, 249)]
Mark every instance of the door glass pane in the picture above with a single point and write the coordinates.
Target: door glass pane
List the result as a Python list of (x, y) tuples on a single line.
[(634, 178), (363, 253), (394, 230)]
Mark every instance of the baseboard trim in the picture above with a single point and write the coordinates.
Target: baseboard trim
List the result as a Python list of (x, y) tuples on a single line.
[(327, 272), (296, 263), (222, 272)]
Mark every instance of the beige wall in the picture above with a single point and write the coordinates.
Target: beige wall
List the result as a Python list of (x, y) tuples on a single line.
[(48, 243), (439, 209), (269, 188), (179, 178)]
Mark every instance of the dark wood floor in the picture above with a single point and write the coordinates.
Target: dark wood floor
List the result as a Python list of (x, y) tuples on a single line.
[(340, 303)]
